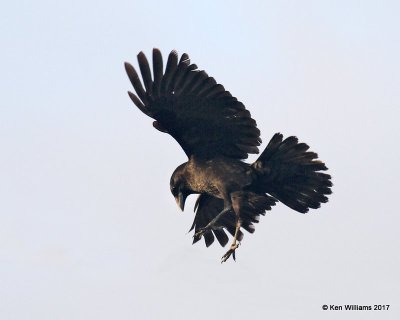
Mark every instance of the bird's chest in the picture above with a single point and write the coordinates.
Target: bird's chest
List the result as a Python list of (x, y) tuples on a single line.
[(203, 181), (215, 177)]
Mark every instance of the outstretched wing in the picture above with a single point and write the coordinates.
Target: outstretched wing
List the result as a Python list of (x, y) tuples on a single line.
[(193, 108), (207, 208)]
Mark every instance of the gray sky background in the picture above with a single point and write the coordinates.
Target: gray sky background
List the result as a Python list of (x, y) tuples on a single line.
[(88, 227)]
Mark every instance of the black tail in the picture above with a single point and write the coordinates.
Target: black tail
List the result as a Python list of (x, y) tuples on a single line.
[(290, 173)]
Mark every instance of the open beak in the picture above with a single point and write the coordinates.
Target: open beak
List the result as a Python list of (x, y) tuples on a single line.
[(180, 200)]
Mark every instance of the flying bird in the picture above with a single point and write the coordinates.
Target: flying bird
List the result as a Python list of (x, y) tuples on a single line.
[(217, 133)]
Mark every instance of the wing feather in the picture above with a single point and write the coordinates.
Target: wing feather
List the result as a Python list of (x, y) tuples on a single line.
[(157, 71), (214, 90), (146, 73), (137, 102), (187, 74), (172, 64), (137, 84), (193, 108)]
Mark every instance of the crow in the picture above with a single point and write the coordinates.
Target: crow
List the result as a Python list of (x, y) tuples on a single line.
[(217, 132)]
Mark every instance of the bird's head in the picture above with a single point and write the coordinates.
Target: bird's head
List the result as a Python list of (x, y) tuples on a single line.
[(178, 186)]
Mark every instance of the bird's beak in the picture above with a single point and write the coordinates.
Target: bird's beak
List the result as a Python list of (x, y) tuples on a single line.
[(180, 200)]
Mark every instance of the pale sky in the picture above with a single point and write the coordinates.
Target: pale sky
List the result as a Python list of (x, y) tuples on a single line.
[(88, 227)]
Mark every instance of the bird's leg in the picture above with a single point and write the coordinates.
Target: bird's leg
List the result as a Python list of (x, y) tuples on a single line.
[(235, 243), (211, 224)]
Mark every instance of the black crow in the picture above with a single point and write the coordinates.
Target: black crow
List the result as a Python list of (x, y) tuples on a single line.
[(217, 132)]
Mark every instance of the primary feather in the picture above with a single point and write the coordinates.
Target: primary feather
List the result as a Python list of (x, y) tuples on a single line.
[(188, 104)]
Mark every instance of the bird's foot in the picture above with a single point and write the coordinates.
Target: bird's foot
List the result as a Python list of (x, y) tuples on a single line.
[(230, 252), (201, 231), (209, 227)]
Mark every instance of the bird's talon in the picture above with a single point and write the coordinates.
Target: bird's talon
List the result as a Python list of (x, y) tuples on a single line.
[(230, 252), (200, 232)]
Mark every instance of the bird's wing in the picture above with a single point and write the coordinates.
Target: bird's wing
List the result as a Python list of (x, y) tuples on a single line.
[(193, 108), (207, 208)]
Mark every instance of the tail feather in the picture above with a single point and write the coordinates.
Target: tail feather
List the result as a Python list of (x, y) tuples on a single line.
[(291, 174)]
